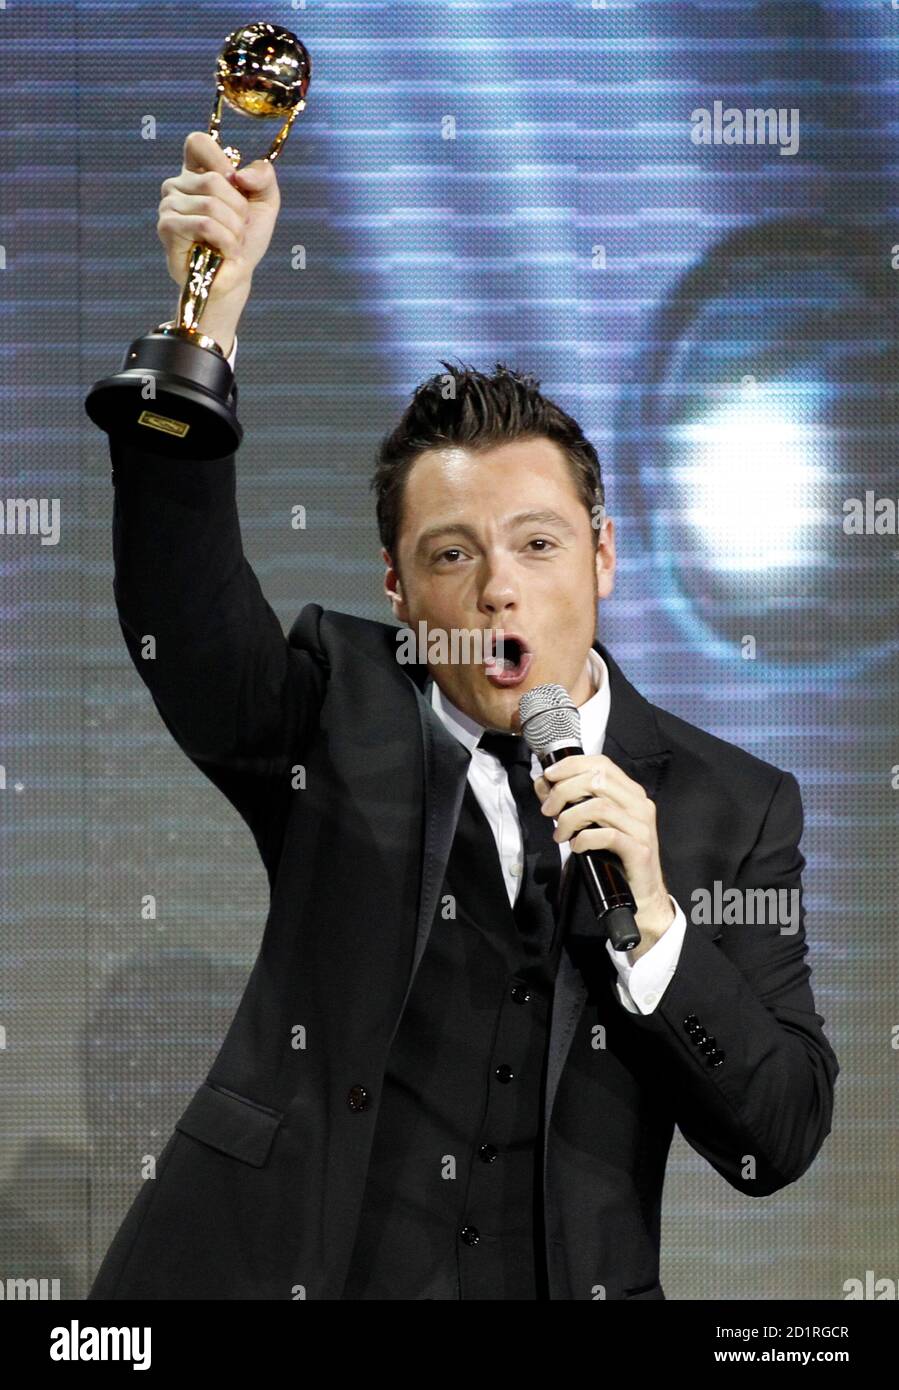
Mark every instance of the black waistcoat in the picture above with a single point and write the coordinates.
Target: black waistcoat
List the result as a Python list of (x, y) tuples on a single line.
[(453, 1203)]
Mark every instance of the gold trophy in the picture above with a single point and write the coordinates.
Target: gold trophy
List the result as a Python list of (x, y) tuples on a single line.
[(175, 394)]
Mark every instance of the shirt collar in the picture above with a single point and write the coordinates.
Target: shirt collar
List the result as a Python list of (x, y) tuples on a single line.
[(594, 711)]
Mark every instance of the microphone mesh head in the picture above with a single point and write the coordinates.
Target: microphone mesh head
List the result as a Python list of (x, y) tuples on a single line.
[(549, 719)]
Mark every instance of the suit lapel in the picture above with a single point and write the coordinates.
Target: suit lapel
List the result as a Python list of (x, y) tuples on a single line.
[(445, 771)]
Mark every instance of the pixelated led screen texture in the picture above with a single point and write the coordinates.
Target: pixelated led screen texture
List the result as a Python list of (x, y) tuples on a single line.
[(514, 182)]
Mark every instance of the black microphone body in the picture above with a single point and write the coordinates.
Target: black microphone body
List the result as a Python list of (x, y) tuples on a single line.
[(610, 895)]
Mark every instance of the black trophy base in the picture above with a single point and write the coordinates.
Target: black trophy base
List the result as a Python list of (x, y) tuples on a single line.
[(172, 397)]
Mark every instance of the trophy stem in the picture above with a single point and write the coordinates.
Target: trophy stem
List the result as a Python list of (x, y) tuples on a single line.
[(203, 264), (215, 121), (284, 132)]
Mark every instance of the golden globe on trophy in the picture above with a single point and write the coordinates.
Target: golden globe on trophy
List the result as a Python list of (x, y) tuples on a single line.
[(175, 391)]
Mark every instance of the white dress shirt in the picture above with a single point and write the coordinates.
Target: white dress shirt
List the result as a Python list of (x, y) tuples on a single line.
[(640, 983)]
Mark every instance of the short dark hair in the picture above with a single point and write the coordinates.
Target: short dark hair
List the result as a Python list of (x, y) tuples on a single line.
[(466, 407)]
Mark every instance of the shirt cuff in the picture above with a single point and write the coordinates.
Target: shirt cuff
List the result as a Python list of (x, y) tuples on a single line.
[(641, 984), (233, 353)]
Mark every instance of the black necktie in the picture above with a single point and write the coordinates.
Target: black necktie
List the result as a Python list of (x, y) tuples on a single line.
[(536, 904)]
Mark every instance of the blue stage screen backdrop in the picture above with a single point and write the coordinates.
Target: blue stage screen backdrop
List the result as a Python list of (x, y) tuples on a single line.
[(562, 187)]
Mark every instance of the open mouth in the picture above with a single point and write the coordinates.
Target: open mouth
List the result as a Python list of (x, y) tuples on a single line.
[(508, 658)]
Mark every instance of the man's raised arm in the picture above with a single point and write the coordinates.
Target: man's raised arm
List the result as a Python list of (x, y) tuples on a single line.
[(210, 649)]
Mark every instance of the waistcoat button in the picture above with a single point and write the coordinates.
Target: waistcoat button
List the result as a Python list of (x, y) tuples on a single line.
[(358, 1098)]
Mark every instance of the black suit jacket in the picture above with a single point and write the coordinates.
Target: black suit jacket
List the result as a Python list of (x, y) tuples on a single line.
[(351, 786)]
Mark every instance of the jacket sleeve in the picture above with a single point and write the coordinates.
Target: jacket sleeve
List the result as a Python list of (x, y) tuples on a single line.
[(236, 696), (745, 1060)]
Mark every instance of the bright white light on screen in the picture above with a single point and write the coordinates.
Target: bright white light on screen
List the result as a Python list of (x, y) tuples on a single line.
[(748, 487)]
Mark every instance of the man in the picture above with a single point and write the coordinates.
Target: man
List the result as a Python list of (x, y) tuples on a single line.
[(441, 1081)]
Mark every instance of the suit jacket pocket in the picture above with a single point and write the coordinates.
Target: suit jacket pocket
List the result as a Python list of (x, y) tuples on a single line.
[(233, 1124), (647, 1291)]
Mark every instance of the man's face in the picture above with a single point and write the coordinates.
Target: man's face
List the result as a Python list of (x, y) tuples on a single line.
[(494, 540)]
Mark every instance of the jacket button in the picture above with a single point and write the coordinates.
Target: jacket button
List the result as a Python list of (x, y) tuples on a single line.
[(487, 1153), (358, 1098), (520, 994), (717, 1058), (504, 1073), (690, 1021), (709, 1044), (470, 1234)]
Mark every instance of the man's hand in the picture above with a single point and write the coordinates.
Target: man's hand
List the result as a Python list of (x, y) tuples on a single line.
[(232, 210), (618, 816)]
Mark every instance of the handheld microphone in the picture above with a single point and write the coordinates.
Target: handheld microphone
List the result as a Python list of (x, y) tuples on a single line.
[(551, 727)]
